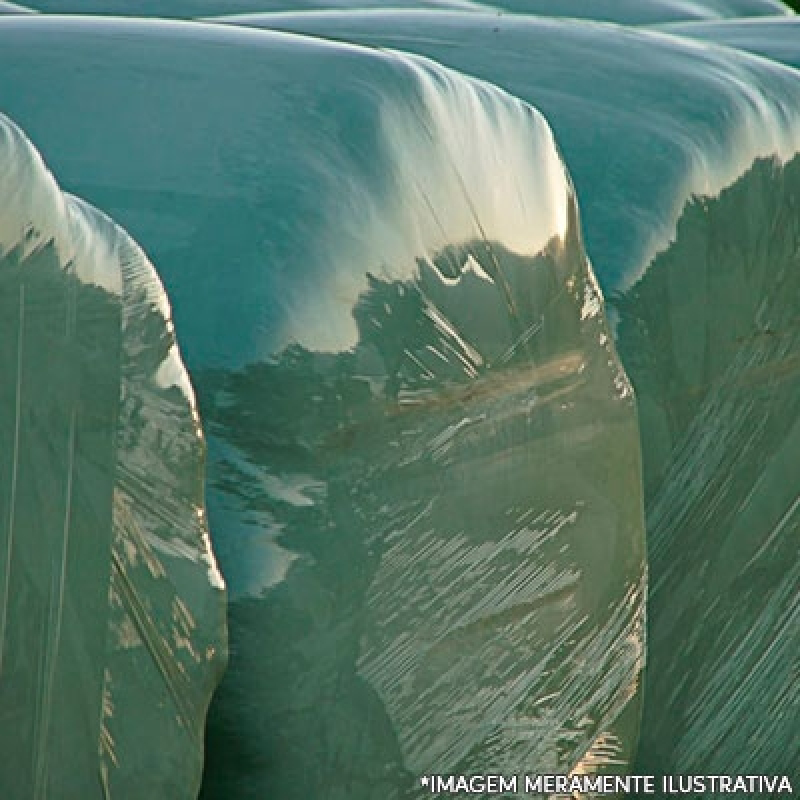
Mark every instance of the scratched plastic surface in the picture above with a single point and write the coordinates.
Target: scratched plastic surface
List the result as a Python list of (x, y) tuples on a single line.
[(708, 335), (718, 387), (112, 631), (424, 478), (645, 122)]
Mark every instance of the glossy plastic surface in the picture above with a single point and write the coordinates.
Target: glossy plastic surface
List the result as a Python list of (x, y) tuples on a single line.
[(644, 120), (654, 129), (776, 38), (629, 12), (424, 479), (112, 628), (13, 8), (330, 224)]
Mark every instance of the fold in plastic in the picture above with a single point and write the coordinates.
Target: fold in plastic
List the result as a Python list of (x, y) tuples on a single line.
[(112, 629)]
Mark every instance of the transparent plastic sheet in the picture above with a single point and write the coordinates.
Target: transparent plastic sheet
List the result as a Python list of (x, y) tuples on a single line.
[(424, 479), (112, 630)]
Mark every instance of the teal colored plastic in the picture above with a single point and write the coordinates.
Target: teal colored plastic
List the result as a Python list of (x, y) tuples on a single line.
[(188, 9), (684, 160), (645, 120), (424, 484), (629, 12), (776, 38), (13, 8), (717, 388), (389, 441), (644, 12), (112, 628)]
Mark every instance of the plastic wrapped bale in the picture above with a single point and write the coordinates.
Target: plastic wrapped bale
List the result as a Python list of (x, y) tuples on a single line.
[(718, 387), (704, 278), (112, 629), (428, 479), (424, 478)]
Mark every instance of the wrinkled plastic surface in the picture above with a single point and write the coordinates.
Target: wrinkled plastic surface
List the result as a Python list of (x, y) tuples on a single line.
[(645, 121), (112, 630), (708, 336), (718, 385), (424, 479)]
